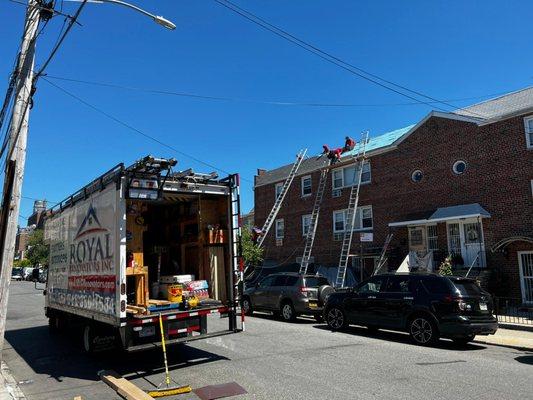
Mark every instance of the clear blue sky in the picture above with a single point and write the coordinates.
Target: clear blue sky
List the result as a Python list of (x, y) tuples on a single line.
[(447, 49)]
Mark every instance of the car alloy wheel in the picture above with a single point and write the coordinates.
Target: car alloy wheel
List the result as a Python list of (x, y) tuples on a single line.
[(287, 312), (246, 307), (422, 331), (335, 318)]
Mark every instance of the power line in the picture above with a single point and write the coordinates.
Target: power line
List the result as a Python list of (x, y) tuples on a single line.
[(60, 41), (132, 128), (331, 58), (247, 100)]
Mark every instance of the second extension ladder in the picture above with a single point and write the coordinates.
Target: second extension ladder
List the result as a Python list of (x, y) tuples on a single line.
[(310, 237), (350, 216), (279, 200)]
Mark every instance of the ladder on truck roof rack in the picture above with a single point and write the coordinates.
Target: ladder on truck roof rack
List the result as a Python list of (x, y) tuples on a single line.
[(350, 214), (279, 200), (311, 232)]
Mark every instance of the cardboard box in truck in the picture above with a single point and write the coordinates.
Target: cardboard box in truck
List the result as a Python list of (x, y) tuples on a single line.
[(124, 234)]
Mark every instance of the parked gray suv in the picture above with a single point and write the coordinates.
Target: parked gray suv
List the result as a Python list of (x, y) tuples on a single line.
[(288, 294)]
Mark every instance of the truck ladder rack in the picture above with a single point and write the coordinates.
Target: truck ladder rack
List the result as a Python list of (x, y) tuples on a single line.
[(279, 200), (350, 214), (310, 237)]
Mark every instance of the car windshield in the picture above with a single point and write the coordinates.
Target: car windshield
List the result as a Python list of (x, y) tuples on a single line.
[(315, 281), (467, 288)]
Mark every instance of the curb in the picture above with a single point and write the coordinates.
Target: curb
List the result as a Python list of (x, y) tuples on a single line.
[(516, 327), (10, 389)]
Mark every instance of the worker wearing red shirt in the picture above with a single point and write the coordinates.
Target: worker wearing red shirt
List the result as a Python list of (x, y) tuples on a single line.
[(349, 145), (333, 155)]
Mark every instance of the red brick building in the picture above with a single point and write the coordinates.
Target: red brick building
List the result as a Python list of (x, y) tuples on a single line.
[(454, 183)]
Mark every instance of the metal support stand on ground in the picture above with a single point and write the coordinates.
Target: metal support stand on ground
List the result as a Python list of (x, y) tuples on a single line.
[(279, 200), (16, 156), (350, 215), (310, 237)]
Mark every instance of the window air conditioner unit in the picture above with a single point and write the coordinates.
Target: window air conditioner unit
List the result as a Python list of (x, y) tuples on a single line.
[(338, 236), (336, 193), (279, 242)]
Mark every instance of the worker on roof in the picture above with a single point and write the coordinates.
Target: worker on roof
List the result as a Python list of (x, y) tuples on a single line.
[(333, 155), (349, 145)]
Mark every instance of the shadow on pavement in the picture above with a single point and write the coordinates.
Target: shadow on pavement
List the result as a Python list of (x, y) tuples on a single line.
[(400, 337), (525, 359), (271, 317), (60, 356)]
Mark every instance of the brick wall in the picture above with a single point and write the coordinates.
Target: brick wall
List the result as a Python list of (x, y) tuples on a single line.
[(499, 170)]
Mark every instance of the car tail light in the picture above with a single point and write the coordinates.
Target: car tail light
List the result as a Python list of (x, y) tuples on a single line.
[(304, 290)]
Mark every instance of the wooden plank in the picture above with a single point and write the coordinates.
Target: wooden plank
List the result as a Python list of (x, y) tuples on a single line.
[(141, 310), (122, 386), (158, 302)]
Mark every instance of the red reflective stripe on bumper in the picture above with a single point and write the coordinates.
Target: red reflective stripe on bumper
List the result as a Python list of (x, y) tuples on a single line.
[(183, 315), (189, 329)]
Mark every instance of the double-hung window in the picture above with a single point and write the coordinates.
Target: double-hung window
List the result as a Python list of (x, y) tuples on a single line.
[(306, 186), (349, 176), (306, 224), (280, 229), (528, 122), (363, 219)]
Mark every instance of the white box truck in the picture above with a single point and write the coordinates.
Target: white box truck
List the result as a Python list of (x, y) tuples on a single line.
[(112, 241)]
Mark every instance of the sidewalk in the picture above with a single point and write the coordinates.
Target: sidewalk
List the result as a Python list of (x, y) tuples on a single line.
[(510, 338), (9, 389)]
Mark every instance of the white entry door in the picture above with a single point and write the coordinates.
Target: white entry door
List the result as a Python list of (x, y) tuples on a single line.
[(465, 237), (525, 259)]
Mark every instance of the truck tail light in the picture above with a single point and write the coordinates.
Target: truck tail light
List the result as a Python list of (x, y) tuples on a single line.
[(123, 305)]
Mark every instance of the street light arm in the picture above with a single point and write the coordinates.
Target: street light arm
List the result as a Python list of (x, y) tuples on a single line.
[(157, 18)]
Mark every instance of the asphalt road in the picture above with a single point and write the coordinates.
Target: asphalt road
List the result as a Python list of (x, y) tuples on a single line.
[(271, 360)]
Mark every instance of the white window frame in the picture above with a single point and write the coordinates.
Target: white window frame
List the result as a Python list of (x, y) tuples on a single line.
[(428, 237), (278, 221), (342, 169), (304, 217), (360, 209), (528, 133), (278, 185), (310, 185)]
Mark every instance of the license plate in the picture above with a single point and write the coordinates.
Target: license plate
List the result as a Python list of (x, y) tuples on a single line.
[(313, 304), (147, 331), (483, 306)]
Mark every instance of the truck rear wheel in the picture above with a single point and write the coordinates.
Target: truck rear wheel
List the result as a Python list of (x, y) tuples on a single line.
[(98, 338)]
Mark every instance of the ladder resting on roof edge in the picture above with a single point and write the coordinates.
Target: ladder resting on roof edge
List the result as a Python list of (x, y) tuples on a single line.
[(311, 232), (350, 215), (279, 200)]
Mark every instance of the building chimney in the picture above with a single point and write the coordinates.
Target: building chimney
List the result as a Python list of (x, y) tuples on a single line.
[(260, 171)]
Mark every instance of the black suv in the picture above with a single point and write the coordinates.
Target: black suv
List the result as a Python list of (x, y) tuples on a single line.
[(288, 294), (427, 306)]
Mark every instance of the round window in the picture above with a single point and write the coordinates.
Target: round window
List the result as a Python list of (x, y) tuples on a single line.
[(417, 176), (459, 167)]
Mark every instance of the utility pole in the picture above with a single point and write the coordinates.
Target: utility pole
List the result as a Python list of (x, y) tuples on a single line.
[(16, 156)]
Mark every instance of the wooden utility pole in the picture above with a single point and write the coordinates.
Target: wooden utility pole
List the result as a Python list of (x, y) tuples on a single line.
[(16, 156)]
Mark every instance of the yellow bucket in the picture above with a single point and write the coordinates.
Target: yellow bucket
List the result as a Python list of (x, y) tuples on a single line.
[(174, 293)]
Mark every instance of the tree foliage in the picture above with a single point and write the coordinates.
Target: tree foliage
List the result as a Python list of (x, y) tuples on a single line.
[(37, 250), (22, 263), (252, 254)]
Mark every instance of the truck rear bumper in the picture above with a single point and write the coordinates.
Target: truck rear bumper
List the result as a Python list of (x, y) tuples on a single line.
[(155, 345)]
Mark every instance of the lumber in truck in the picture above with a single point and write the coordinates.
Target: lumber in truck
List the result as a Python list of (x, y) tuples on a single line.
[(141, 243)]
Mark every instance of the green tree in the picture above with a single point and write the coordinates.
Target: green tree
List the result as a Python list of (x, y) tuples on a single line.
[(251, 253), (22, 263), (37, 249)]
